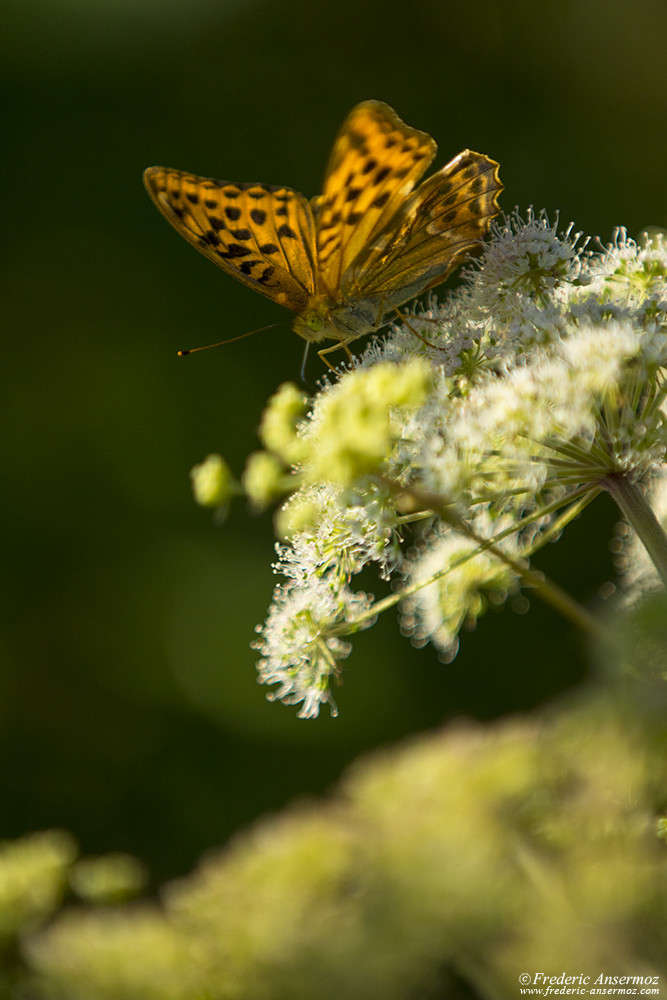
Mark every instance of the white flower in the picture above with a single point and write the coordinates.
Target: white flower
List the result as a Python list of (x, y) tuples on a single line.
[(629, 270), (525, 261), (300, 653), (456, 584)]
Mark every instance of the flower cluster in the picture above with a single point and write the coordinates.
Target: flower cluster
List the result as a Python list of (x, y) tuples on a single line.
[(459, 443)]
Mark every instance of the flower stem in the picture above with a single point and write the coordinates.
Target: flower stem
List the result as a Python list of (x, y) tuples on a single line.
[(632, 504), (546, 589)]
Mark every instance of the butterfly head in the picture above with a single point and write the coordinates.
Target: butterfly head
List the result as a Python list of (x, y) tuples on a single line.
[(313, 324)]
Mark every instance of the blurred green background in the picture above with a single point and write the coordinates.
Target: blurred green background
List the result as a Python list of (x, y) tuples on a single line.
[(129, 711)]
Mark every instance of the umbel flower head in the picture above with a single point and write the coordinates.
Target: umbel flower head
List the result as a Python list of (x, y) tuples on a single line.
[(461, 442)]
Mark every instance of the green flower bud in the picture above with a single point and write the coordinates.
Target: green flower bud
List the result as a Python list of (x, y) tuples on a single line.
[(354, 431), (108, 879), (212, 482), (277, 429), (263, 478)]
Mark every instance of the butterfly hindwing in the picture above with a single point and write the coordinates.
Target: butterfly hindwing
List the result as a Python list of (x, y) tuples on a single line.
[(445, 219), (375, 163), (261, 234)]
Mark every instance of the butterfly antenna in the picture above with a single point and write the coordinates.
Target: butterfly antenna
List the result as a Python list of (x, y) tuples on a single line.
[(193, 350)]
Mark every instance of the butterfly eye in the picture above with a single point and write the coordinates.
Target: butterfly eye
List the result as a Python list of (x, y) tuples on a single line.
[(314, 320)]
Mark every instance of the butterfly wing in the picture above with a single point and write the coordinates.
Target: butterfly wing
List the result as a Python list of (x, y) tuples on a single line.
[(375, 163), (443, 220), (260, 234)]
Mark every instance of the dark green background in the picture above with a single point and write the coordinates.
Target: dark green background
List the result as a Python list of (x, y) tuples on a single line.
[(129, 711)]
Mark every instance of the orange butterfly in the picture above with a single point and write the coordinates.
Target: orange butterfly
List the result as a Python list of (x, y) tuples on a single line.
[(345, 260)]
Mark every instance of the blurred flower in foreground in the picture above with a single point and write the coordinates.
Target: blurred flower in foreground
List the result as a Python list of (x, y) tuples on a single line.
[(473, 853)]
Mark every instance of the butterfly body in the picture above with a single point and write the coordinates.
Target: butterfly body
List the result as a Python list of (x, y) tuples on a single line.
[(324, 320), (346, 259)]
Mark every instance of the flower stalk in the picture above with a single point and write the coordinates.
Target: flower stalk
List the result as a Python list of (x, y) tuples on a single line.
[(637, 512)]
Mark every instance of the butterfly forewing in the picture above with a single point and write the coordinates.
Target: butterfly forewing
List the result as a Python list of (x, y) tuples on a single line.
[(376, 161), (261, 234)]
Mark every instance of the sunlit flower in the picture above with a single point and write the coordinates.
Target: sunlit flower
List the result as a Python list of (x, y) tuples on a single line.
[(484, 418), (456, 583), (300, 651)]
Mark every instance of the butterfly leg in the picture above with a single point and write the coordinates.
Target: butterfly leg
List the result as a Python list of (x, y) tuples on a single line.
[(406, 322), (334, 347)]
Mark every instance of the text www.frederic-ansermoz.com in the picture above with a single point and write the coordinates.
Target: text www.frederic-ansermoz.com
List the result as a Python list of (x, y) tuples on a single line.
[(540, 984)]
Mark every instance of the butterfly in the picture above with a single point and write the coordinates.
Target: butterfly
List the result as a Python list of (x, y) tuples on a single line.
[(345, 260)]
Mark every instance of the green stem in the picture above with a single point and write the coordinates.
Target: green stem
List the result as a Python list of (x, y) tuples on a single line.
[(548, 591), (632, 504)]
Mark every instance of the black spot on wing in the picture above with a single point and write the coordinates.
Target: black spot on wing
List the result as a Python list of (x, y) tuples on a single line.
[(286, 232), (333, 221), (268, 248), (381, 200), (234, 250), (258, 215), (241, 234), (233, 213), (258, 188)]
